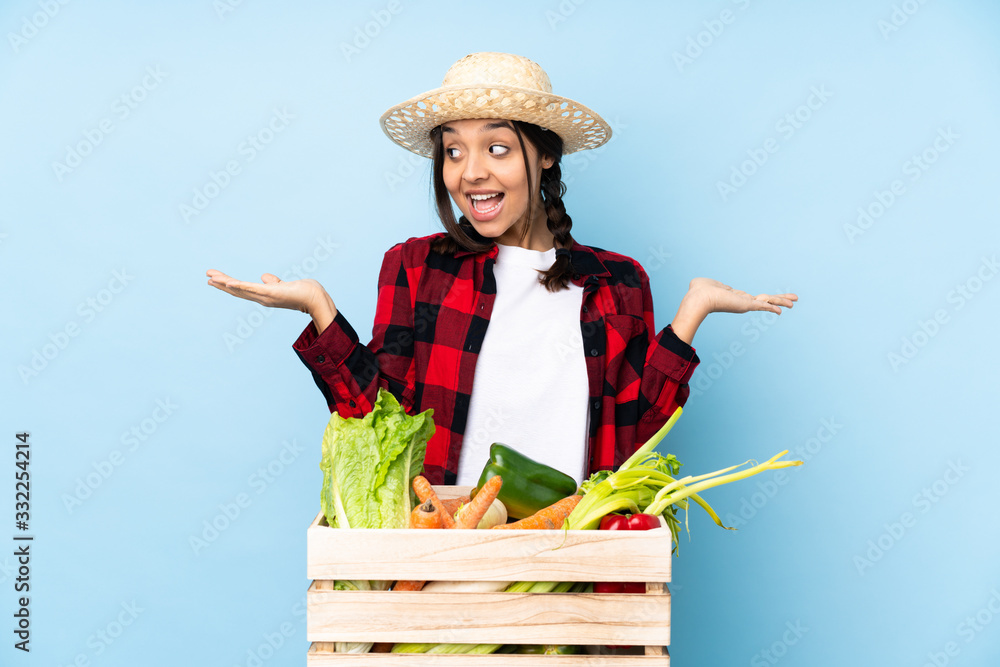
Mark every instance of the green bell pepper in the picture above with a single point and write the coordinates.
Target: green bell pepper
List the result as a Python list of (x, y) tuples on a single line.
[(528, 485)]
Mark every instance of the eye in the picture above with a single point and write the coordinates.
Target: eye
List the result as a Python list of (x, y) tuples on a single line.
[(447, 152), (504, 149)]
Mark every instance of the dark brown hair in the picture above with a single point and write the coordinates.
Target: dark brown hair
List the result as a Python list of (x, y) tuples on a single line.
[(461, 234)]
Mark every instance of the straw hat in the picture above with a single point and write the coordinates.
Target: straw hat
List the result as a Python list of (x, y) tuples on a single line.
[(494, 85)]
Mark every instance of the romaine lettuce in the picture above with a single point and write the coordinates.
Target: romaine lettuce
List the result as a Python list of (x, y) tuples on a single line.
[(369, 465)]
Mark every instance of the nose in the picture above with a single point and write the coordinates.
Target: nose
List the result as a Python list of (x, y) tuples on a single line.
[(475, 168)]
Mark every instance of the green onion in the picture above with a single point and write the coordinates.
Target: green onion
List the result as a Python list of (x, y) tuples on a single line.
[(645, 483), (480, 649)]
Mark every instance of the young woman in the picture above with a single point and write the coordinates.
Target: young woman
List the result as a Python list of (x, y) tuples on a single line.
[(503, 324)]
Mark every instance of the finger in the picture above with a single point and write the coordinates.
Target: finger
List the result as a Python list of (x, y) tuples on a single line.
[(244, 290), (270, 279), (764, 305), (216, 275), (779, 300), (761, 302), (220, 279)]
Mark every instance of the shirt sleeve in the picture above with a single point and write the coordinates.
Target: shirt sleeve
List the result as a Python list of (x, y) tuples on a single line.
[(350, 374), (670, 363)]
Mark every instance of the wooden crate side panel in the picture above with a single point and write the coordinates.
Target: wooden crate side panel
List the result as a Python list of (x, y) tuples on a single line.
[(322, 655), (488, 555), (477, 618)]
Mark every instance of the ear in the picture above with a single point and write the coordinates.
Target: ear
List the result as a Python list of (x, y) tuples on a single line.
[(548, 161)]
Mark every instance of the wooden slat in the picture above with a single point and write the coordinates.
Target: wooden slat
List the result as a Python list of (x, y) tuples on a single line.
[(658, 588), (321, 655), (483, 618), (486, 555), (642, 621)]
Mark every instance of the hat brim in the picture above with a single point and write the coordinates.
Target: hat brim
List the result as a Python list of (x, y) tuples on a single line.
[(409, 123)]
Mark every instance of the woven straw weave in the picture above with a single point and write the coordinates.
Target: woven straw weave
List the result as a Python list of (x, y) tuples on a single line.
[(494, 85)]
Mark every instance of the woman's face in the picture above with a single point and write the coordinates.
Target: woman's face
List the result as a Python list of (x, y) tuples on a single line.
[(484, 173)]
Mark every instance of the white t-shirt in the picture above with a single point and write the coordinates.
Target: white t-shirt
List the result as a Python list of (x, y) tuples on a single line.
[(531, 389)]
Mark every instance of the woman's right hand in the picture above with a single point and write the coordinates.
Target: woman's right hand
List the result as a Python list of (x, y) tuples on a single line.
[(306, 295)]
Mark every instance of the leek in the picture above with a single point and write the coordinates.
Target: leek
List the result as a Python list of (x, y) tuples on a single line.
[(482, 649), (646, 483)]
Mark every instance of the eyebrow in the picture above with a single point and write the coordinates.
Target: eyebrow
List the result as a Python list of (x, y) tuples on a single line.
[(496, 125)]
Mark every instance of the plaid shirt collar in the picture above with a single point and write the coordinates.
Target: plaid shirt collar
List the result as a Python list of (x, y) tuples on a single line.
[(588, 266)]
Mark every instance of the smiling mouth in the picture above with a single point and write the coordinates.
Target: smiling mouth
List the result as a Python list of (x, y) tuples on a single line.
[(486, 203)]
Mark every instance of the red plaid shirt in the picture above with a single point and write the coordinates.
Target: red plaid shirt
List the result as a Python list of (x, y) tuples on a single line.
[(430, 320)]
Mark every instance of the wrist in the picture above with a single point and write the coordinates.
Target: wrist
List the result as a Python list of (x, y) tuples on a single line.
[(322, 310), (690, 314)]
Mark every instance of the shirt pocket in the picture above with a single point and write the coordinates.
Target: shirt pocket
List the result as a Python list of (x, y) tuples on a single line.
[(625, 349)]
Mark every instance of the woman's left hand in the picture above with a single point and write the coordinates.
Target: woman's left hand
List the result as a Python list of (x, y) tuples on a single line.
[(719, 298), (706, 296)]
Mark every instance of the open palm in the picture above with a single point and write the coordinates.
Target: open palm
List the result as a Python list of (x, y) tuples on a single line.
[(272, 292), (721, 298)]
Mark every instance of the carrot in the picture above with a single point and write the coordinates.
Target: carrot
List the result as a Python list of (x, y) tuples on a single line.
[(426, 493), (451, 505), (408, 585), (425, 516), (422, 516), (550, 517), (382, 647), (473, 511)]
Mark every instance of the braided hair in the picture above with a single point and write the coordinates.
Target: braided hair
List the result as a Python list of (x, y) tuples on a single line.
[(461, 234)]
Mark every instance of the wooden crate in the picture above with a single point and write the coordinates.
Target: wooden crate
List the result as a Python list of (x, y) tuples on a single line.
[(641, 620)]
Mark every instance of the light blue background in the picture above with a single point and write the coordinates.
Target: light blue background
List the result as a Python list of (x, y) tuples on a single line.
[(799, 558)]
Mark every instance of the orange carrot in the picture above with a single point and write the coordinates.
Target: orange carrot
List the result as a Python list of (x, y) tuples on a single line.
[(408, 585), (549, 518), (425, 493), (451, 505), (425, 516), (422, 516), (473, 512)]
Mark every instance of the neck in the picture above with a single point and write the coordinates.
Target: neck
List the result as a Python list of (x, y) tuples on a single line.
[(537, 238)]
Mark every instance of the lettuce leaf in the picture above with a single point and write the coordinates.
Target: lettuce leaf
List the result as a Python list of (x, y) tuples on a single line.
[(369, 464)]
